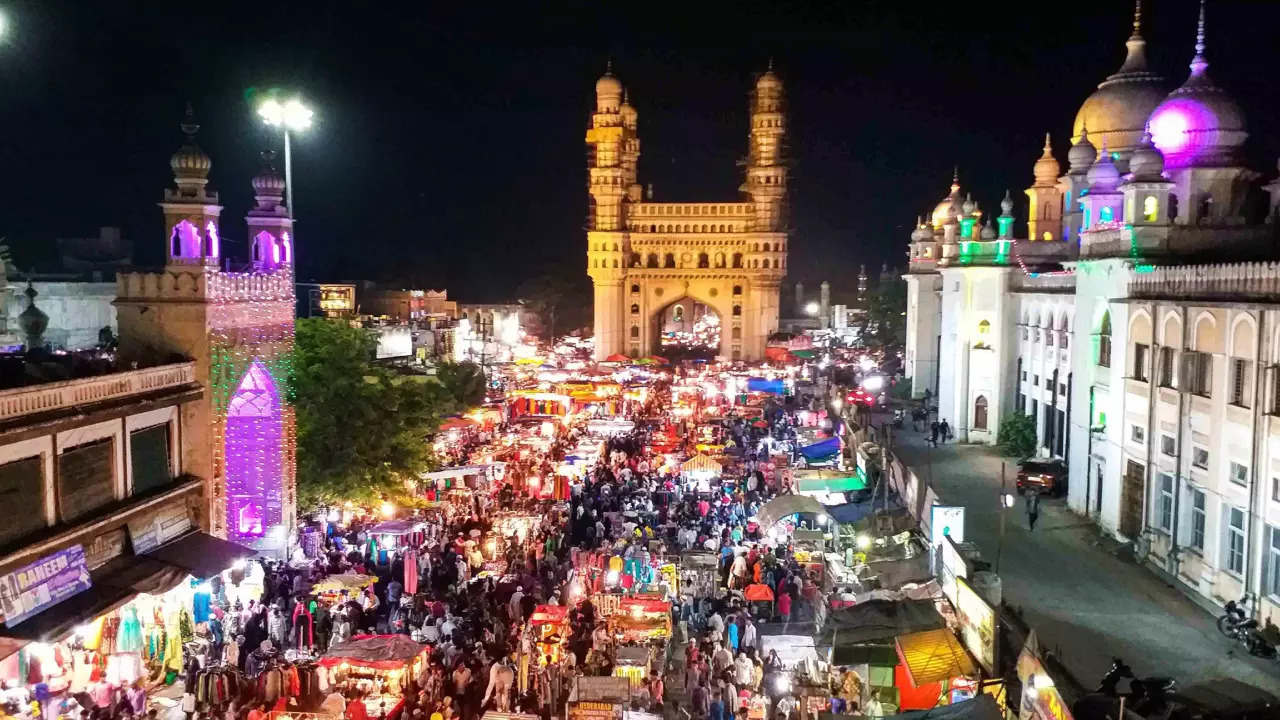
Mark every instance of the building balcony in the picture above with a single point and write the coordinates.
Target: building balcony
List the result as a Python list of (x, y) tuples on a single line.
[(1234, 281), (68, 394)]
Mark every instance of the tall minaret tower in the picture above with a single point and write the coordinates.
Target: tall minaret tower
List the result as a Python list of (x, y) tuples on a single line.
[(191, 209), (1044, 220), (270, 227), (614, 151), (766, 168)]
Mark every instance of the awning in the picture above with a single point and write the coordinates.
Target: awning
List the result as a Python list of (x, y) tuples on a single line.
[(114, 584), (785, 505), (701, 463), (933, 656), (201, 553), (881, 655), (828, 481), (882, 620)]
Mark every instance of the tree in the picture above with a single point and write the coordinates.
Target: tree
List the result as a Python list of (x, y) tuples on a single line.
[(1018, 435), (885, 319), (361, 431), (465, 382), (560, 303)]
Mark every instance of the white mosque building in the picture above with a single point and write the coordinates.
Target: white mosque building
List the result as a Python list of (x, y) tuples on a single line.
[(1138, 323)]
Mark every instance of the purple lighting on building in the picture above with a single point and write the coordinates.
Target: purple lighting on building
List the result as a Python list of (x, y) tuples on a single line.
[(214, 243), (254, 454), (1175, 124)]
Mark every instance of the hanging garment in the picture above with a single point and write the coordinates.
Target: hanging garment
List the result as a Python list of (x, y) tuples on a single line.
[(130, 638), (303, 634), (200, 607)]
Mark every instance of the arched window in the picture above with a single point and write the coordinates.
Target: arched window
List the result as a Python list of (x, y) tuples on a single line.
[(635, 289), (704, 228), (652, 260), (737, 333), (755, 247), (1047, 236), (766, 247), (984, 328), (722, 228), (719, 260), (635, 309), (737, 261), (1106, 214), (669, 260), (1173, 208), (1104, 340), (980, 413), (635, 259), (1205, 208), (635, 331), (737, 310), (737, 289), (1150, 209), (703, 260), (653, 228), (677, 313)]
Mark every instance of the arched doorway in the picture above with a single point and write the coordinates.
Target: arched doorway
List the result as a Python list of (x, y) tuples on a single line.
[(687, 329), (254, 455)]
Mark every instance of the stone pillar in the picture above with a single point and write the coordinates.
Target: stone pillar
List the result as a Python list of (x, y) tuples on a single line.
[(824, 304), (608, 318)]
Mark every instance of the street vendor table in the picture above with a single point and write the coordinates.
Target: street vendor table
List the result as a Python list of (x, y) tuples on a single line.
[(381, 665)]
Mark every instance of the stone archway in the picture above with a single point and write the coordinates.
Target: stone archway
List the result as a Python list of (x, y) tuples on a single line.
[(687, 327), (254, 455)]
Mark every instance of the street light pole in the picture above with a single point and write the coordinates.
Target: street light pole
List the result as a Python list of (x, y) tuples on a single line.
[(288, 173)]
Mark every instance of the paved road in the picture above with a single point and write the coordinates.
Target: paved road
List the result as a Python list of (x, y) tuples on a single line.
[(1083, 600)]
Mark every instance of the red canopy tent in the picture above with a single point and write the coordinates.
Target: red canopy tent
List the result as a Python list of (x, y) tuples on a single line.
[(617, 357), (758, 593), (377, 652)]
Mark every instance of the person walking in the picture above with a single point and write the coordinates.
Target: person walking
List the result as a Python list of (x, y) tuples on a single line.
[(934, 428), (1033, 509), (944, 430)]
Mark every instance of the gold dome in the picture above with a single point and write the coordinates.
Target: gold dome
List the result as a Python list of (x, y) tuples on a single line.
[(1047, 169), (941, 214), (190, 161), (1116, 113)]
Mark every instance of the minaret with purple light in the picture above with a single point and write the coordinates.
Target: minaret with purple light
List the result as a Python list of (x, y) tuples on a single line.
[(191, 209), (270, 227)]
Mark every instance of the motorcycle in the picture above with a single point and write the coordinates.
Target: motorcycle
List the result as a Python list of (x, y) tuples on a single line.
[(898, 417), (1236, 618), (1145, 694)]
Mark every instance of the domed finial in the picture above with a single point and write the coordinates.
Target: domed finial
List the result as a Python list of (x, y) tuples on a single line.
[(1199, 63), (1137, 20), (770, 67), (189, 125), (955, 178), (33, 320), (1006, 205), (608, 66), (1048, 146)]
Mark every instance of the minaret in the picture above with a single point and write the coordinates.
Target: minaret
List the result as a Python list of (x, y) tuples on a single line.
[(824, 304), (33, 321), (766, 168), (1044, 220), (1079, 159), (191, 210), (862, 284), (270, 227), (1004, 223), (614, 152)]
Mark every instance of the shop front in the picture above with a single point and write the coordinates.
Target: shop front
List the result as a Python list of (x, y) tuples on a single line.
[(121, 615)]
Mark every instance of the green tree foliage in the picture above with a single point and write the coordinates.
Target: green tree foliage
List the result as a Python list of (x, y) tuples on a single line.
[(561, 304), (465, 382), (885, 320), (361, 431), (1018, 435)]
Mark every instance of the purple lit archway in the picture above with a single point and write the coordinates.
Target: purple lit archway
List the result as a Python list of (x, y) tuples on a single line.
[(254, 453)]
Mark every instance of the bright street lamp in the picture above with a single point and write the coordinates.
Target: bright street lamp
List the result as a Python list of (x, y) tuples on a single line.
[(291, 115), (812, 308)]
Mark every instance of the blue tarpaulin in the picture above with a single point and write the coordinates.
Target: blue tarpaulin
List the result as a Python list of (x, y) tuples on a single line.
[(765, 386), (821, 449)]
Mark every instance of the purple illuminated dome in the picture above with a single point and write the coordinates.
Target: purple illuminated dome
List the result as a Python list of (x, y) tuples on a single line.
[(1199, 123)]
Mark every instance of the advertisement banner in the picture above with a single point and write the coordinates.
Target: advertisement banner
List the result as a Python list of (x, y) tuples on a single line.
[(946, 521), (977, 625), (159, 527), (595, 710), (39, 586), (1040, 699), (952, 566)]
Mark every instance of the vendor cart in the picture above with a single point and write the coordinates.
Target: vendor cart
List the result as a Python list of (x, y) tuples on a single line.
[(378, 666)]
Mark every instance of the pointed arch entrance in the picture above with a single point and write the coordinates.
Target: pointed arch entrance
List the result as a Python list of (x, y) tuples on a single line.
[(687, 328), (255, 455)]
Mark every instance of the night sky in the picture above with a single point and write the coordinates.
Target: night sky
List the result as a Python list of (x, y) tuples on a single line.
[(448, 149)]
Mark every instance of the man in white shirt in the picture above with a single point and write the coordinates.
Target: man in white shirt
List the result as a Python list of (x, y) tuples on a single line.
[(513, 606)]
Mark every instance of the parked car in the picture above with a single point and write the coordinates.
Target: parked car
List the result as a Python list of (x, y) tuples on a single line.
[(861, 397), (1047, 477)]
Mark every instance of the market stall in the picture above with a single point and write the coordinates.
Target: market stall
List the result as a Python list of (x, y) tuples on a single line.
[(378, 666)]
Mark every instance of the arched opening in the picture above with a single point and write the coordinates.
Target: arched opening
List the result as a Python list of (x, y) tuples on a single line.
[(737, 260), (652, 261), (687, 329), (980, 413), (254, 455), (635, 309), (719, 260), (185, 241), (703, 260), (1104, 340), (669, 260)]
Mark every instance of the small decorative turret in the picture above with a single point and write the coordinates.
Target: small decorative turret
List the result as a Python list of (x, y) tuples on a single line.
[(1082, 154), (1004, 223), (33, 321)]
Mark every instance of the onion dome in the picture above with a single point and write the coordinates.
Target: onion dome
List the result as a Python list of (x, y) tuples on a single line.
[(190, 162), (33, 321), (918, 233), (988, 232), (1199, 123), (1117, 111), (1147, 162), (768, 79), (608, 91), (1047, 169), (1103, 174), (942, 211), (628, 112), (1006, 205), (1082, 154), (969, 206), (268, 181)]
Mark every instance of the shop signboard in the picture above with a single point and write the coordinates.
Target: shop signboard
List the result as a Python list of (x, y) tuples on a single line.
[(105, 548), (1040, 699), (595, 710), (158, 527), (946, 521), (952, 566), (594, 689), (977, 625), (34, 588)]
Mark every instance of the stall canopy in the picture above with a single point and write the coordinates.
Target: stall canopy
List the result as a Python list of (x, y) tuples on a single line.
[(380, 652), (827, 481), (821, 450), (701, 463), (758, 593), (979, 707), (201, 553), (785, 505), (792, 649), (397, 527), (933, 656), (883, 620), (761, 385), (350, 582)]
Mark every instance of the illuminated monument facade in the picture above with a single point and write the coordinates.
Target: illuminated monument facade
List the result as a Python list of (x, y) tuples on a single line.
[(238, 327), (1138, 325), (645, 257)]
